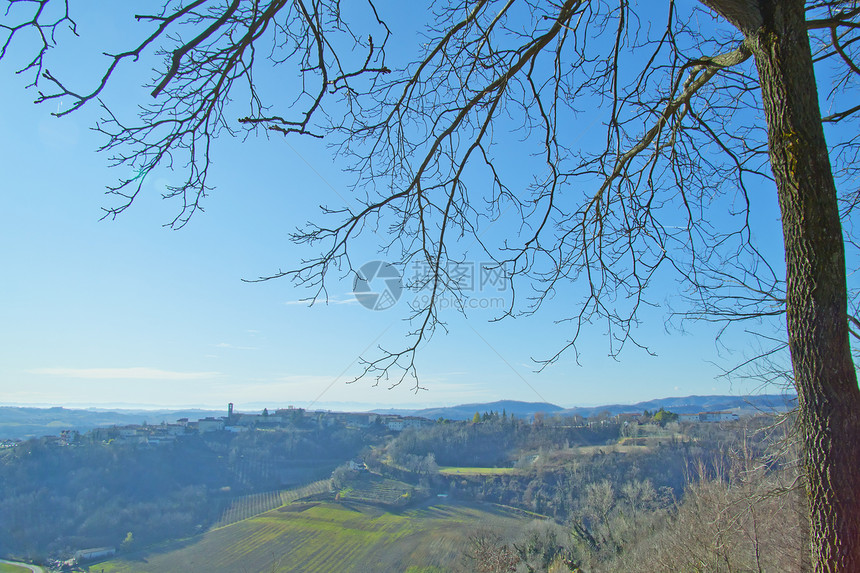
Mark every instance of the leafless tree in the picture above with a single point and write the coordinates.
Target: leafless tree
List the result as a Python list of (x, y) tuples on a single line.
[(487, 553), (699, 108), (744, 519)]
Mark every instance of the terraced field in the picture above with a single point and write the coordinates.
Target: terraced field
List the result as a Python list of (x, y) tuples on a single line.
[(250, 505), (374, 489), (324, 537)]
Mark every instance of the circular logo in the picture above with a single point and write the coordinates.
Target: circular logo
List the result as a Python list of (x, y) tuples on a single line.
[(378, 285)]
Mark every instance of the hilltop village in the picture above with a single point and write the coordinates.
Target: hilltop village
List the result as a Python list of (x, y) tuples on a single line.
[(146, 434), (234, 422)]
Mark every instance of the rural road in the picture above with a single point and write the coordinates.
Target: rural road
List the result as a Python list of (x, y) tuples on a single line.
[(33, 568)]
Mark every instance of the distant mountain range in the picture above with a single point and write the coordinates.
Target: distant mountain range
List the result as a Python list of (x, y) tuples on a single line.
[(466, 411), (25, 422), (683, 405), (768, 403)]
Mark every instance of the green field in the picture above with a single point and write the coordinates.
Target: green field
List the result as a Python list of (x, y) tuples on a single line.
[(9, 568), (325, 537), (376, 490), (449, 470), (247, 506)]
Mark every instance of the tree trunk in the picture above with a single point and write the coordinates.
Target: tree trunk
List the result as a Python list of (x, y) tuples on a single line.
[(824, 373)]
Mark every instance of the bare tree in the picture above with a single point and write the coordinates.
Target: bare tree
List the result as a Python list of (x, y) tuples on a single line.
[(487, 553), (699, 107), (742, 516)]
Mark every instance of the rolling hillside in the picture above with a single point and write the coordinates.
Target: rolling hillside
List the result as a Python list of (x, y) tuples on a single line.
[(323, 537), (466, 411), (18, 422), (767, 403)]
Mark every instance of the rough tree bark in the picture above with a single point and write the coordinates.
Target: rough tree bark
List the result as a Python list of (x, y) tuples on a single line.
[(818, 335)]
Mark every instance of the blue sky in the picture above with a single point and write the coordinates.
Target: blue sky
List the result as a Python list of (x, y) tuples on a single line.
[(129, 312)]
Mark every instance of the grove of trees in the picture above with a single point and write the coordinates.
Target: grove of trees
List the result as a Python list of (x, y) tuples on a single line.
[(715, 497), (55, 500)]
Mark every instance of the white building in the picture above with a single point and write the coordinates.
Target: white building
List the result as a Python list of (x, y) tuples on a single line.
[(94, 553), (210, 425), (396, 423), (717, 416), (175, 429)]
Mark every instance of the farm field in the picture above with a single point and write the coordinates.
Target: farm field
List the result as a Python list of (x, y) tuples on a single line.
[(376, 490), (614, 448), (643, 444), (324, 537), (248, 506), (461, 471), (10, 568), (15, 567)]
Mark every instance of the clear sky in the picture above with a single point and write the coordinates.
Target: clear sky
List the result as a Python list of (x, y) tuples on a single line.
[(129, 312)]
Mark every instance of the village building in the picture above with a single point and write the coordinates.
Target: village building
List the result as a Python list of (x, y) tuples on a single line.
[(93, 554), (717, 416), (210, 425)]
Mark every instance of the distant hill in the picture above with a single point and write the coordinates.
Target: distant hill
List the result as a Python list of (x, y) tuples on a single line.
[(694, 404), (22, 422), (466, 411), (680, 405)]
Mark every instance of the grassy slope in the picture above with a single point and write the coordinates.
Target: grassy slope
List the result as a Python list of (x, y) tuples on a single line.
[(462, 471), (324, 537), (8, 568), (247, 506)]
